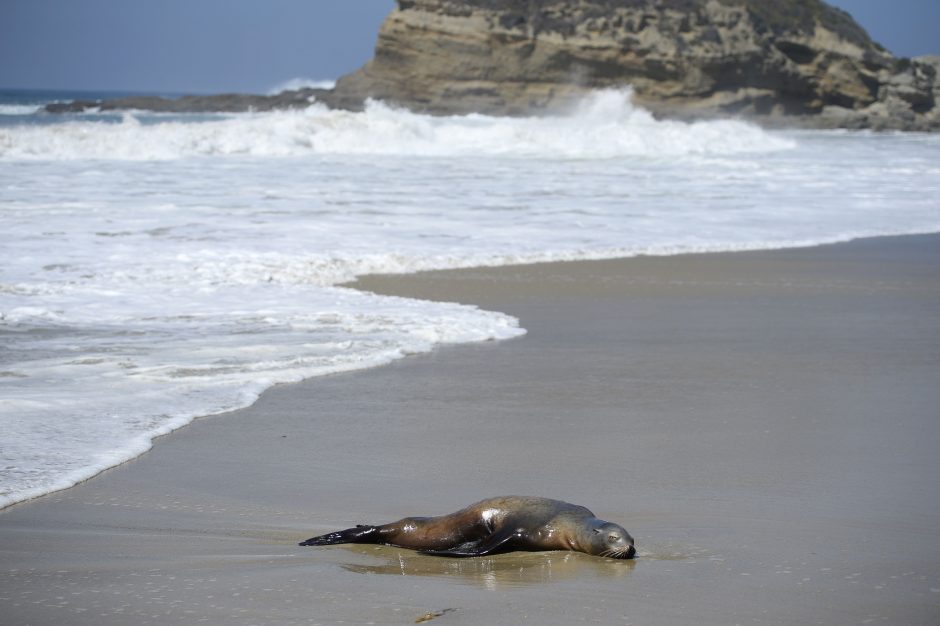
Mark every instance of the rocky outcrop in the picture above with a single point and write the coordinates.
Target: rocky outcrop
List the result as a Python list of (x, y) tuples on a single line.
[(788, 61), (219, 103), (777, 61)]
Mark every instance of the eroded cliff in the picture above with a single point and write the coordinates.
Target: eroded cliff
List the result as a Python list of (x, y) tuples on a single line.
[(789, 60)]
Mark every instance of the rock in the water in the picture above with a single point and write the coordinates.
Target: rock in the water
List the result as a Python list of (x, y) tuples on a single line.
[(797, 61), (218, 103), (777, 61)]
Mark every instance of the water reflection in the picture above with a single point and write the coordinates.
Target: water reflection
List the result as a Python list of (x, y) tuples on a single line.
[(672, 551), (515, 569)]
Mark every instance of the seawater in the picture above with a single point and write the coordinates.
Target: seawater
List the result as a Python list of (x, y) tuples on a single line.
[(158, 268)]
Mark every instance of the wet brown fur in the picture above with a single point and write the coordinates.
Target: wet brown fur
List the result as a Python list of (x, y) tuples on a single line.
[(494, 525)]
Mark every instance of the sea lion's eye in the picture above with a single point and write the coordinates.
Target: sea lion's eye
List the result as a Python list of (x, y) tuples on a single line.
[(614, 537)]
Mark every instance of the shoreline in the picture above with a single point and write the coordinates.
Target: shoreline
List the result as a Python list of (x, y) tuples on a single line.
[(376, 282), (368, 283), (717, 405)]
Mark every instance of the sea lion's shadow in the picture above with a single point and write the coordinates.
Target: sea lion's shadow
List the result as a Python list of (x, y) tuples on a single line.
[(502, 570)]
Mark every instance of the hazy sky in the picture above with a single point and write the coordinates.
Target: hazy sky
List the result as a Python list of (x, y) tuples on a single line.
[(256, 45)]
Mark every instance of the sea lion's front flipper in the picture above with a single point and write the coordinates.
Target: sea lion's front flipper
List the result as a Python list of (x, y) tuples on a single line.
[(359, 534), (496, 542)]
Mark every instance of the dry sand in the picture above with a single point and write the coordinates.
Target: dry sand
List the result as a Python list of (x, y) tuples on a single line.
[(766, 424)]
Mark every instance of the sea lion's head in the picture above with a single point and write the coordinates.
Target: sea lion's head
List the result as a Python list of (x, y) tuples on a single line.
[(612, 541)]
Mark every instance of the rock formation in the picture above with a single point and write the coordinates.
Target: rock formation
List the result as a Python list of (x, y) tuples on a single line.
[(798, 61), (219, 103)]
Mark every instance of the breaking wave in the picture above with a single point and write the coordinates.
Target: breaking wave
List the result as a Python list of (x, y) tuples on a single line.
[(301, 83), (606, 124)]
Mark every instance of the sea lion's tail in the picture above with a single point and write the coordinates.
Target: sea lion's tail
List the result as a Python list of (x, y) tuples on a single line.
[(359, 534)]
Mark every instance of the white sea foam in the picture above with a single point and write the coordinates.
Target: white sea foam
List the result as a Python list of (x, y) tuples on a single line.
[(185, 265), (96, 381), (19, 109), (606, 125), (301, 83)]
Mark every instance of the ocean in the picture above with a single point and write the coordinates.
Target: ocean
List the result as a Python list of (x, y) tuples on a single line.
[(158, 268)]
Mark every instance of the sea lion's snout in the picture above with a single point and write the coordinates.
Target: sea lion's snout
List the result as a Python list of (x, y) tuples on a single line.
[(612, 541), (627, 551)]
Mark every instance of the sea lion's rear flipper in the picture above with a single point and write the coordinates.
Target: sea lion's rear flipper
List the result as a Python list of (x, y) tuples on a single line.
[(359, 534), (497, 542)]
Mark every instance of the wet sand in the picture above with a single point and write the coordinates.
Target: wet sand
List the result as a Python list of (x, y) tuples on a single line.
[(765, 424)]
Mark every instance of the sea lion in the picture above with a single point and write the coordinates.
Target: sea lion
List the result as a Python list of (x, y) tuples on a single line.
[(496, 525)]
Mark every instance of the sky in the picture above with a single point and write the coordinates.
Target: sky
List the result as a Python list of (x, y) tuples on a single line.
[(211, 46)]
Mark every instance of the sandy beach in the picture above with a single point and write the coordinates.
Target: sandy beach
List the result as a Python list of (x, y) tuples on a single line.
[(765, 424)]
